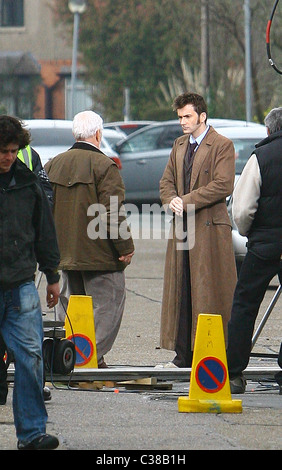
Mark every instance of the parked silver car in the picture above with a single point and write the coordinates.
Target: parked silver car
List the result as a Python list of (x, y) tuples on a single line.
[(53, 136), (144, 154), (128, 127)]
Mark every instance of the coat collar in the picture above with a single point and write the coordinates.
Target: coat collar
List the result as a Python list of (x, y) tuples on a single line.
[(22, 176), (269, 138), (85, 146)]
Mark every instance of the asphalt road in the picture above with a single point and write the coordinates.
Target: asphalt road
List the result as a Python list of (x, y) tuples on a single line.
[(113, 419)]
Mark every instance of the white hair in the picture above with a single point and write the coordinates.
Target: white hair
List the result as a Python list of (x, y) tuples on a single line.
[(86, 124)]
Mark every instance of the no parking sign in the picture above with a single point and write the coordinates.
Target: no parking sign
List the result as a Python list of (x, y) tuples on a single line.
[(84, 349), (209, 390), (211, 374)]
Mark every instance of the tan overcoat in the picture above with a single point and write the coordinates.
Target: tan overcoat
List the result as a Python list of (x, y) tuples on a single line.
[(212, 261)]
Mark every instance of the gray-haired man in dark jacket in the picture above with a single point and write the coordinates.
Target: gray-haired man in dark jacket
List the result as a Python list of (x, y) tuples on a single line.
[(257, 214)]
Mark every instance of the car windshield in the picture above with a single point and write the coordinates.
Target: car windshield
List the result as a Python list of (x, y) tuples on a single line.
[(54, 137), (155, 138), (243, 151)]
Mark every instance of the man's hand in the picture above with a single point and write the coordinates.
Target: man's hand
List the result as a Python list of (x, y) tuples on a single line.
[(176, 205), (126, 258), (53, 292)]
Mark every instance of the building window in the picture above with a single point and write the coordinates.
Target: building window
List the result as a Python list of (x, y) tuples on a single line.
[(18, 95), (11, 13)]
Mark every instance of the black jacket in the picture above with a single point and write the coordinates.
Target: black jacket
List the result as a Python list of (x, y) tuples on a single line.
[(265, 237), (27, 231), (39, 171)]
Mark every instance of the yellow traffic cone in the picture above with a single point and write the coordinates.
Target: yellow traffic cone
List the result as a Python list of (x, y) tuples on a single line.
[(209, 390), (80, 329)]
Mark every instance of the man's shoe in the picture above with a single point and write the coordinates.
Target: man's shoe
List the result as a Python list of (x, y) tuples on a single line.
[(3, 396), (238, 385), (47, 394), (278, 378), (44, 442), (102, 364), (168, 365), (3, 392)]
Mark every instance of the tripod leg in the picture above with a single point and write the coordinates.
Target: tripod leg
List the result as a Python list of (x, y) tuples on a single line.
[(266, 315), (278, 376)]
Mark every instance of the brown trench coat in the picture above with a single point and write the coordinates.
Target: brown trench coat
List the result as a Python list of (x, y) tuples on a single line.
[(212, 261)]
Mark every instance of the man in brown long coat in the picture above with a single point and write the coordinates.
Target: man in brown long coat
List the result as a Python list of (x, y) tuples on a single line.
[(200, 278)]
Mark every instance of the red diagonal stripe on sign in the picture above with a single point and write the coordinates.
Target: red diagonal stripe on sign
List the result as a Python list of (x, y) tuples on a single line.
[(212, 376), (81, 353)]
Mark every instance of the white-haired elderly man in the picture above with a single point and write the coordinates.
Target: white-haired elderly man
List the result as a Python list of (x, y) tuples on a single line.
[(94, 251)]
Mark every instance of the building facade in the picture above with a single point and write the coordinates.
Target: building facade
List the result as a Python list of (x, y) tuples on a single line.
[(35, 63)]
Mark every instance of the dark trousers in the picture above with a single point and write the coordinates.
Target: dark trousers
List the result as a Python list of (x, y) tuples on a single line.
[(255, 276), (3, 372), (183, 343)]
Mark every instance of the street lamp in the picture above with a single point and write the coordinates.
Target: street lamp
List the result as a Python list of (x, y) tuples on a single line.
[(248, 60), (77, 7)]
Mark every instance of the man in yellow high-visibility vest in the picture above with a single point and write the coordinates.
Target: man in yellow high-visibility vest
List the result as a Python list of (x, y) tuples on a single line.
[(32, 160)]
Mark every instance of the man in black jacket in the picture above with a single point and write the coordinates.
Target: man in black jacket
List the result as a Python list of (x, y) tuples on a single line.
[(27, 237), (32, 160), (257, 202)]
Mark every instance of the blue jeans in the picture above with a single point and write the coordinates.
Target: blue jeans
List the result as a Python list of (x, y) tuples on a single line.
[(22, 330)]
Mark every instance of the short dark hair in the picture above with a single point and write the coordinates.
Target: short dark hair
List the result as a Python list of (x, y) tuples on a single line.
[(197, 101), (12, 131)]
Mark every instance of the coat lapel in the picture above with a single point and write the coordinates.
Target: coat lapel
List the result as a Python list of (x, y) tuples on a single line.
[(200, 156), (179, 166)]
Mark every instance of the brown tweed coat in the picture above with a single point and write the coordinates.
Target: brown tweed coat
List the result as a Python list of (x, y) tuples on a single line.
[(212, 261)]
